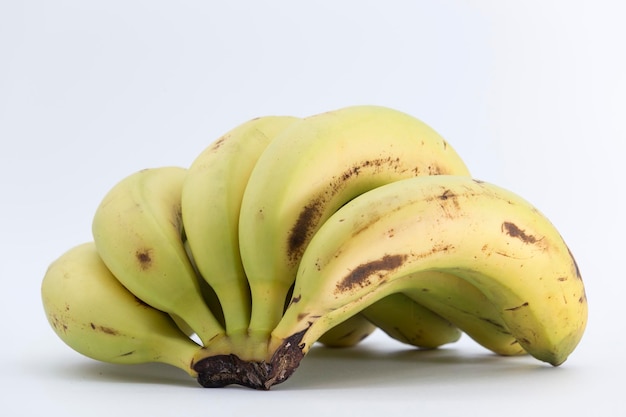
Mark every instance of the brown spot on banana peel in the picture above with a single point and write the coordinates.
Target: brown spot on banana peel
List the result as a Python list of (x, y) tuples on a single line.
[(104, 329), (144, 257), (309, 217), (449, 203), (303, 229), (446, 195), (58, 323), (219, 142), (360, 276), (514, 231)]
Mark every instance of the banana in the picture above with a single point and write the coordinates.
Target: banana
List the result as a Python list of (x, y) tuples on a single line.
[(95, 315), (348, 333), (401, 318), (138, 231), (463, 305), (409, 322), (385, 240), (307, 173), (211, 200)]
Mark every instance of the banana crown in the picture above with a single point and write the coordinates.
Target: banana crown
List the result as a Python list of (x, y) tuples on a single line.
[(286, 232)]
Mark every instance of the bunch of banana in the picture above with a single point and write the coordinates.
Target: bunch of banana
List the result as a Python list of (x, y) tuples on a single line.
[(286, 232)]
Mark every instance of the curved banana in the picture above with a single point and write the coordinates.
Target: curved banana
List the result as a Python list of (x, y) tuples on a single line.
[(138, 231), (385, 240), (96, 316), (308, 172), (466, 307), (348, 333), (409, 322), (211, 199)]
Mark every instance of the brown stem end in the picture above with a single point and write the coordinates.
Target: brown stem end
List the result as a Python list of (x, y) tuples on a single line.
[(221, 370)]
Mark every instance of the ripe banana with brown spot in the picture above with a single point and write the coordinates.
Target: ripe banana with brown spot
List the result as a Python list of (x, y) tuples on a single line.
[(98, 317), (138, 231), (211, 200), (384, 241), (307, 173)]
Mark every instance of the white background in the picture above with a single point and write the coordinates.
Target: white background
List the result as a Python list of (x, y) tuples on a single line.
[(531, 93)]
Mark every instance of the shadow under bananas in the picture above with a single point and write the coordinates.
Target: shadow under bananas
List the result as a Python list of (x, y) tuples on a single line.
[(365, 366), (357, 367), (147, 373)]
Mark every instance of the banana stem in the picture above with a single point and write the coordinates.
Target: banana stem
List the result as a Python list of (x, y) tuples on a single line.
[(235, 304), (179, 352), (203, 322), (268, 305)]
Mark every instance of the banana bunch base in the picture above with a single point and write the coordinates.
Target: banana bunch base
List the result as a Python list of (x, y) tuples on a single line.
[(286, 232)]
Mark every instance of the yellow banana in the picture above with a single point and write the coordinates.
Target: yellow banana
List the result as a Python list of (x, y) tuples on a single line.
[(409, 322), (211, 200), (307, 173), (463, 305), (348, 333), (95, 315), (383, 241), (138, 231)]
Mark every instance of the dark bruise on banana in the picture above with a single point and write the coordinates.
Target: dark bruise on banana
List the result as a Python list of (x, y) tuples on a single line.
[(103, 329), (361, 276), (144, 258), (310, 216)]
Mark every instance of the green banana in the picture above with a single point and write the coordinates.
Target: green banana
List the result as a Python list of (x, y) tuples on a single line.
[(138, 231), (383, 241), (211, 200), (95, 315), (308, 172)]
